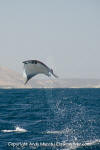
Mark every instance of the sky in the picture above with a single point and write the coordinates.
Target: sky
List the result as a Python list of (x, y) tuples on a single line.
[(64, 34)]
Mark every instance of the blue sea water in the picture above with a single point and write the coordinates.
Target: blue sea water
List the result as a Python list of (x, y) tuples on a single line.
[(50, 119)]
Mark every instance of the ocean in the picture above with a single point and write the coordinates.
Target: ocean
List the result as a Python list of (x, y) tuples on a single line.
[(49, 119)]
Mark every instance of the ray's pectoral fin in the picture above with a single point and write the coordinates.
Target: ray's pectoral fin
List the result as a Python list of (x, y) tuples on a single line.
[(29, 77), (53, 74), (26, 81)]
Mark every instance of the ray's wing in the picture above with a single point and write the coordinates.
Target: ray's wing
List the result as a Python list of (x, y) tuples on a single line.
[(34, 67), (29, 70), (29, 77), (54, 75)]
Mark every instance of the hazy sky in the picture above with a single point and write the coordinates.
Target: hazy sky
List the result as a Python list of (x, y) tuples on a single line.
[(64, 34)]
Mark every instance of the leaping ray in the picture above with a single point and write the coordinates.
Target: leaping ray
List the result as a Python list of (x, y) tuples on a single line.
[(35, 67)]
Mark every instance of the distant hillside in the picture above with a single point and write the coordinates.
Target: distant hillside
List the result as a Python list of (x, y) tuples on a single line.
[(65, 83), (11, 79)]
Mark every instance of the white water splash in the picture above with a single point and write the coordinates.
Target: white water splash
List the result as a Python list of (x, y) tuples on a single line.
[(65, 131), (17, 129), (74, 144), (90, 143)]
